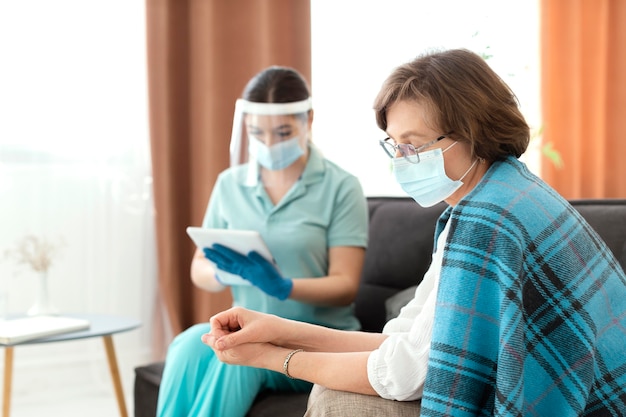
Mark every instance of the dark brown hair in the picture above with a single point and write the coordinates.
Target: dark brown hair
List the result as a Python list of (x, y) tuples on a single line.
[(276, 85), (464, 96)]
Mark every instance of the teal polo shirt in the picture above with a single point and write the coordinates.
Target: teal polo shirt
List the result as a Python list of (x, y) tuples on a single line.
[(323, 209)]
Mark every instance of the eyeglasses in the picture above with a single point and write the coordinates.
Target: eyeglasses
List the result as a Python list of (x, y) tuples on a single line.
[(408, 151)]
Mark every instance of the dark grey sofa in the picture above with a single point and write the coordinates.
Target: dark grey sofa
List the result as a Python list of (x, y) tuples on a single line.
[(400, 245)]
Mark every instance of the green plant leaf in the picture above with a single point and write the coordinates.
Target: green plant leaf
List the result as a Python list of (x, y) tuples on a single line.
[(552, 154)]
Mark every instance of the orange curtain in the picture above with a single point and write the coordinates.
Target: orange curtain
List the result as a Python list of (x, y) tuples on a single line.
[(200, 55), (583, 54)]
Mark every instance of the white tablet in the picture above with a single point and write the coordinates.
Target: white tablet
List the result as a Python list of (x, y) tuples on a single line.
[(242, 241)]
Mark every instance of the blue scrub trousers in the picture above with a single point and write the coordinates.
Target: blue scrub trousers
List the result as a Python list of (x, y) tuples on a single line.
[(196, 383)]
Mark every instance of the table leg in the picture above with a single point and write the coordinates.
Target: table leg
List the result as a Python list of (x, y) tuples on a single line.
[(8, 377), (115, 374)]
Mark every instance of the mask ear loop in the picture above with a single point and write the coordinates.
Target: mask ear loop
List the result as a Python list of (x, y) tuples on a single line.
[(468, 169), (454, 143)]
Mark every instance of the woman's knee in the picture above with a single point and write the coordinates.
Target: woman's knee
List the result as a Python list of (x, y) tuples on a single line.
[(325, 402), (189, 341)]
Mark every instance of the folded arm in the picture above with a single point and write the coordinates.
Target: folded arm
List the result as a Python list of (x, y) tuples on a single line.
[(336, 359)]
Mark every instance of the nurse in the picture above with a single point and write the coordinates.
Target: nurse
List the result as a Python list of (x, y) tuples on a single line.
[(313, 217)]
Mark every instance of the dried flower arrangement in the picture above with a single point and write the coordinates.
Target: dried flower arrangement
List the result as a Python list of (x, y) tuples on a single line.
[(35, 252)]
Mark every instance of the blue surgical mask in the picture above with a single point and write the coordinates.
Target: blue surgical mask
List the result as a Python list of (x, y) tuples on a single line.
[(427, 181), (278, 156)]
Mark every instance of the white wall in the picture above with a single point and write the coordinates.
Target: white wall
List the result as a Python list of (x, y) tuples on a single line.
[(74, 166), (357, 43)]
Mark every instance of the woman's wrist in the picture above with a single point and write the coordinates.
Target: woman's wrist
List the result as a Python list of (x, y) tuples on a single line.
[(287, 360), (273, 358)]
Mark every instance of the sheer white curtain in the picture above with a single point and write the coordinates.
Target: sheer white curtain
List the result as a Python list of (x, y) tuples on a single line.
[(357, 43), (75, 163)]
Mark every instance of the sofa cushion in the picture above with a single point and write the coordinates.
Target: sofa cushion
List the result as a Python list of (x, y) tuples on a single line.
[(146, 389), (398, 254), (394, 304), (272, 404)]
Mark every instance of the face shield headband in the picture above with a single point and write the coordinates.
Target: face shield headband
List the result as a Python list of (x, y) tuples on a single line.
[(240, 151), (243, 107)]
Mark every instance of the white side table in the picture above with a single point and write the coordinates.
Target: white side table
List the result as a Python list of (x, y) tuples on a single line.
[(102, 325)]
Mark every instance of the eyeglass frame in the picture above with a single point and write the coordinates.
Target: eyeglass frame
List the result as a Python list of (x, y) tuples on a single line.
[(403, 147)]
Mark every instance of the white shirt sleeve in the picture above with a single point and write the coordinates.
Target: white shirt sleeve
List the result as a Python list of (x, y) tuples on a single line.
[(397, 369)]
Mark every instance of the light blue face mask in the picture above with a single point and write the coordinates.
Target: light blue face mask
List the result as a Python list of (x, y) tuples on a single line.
[(427, 181), (278, 156)]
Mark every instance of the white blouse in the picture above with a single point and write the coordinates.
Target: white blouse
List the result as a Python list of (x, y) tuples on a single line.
[(397, 369)]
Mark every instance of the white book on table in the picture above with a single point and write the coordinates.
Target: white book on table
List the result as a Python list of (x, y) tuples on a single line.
[(23, 329)]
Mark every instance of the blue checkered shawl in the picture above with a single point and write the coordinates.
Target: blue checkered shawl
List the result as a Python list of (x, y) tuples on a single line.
[(531, 309)]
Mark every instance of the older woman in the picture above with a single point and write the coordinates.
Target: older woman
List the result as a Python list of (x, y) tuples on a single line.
[(522, 309)]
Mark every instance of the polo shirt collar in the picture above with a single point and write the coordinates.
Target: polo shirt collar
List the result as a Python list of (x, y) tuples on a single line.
[(313, 173), (314, 170)]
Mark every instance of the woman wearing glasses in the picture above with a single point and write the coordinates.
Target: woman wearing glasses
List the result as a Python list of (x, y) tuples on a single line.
[(522, 309), (313, 217)]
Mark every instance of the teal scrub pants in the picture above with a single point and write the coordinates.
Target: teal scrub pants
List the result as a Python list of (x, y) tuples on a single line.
[(196, 383)]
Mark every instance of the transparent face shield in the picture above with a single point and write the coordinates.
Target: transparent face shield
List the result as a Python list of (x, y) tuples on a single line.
[(271, 139)]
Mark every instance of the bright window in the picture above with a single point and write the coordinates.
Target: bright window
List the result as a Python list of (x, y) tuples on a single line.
[(357, 43), (74, 156)]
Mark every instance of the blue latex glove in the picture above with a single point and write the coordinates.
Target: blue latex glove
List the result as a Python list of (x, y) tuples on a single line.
[(254, 268)]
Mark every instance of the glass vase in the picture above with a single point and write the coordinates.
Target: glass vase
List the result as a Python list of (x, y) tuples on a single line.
[(42, 306)]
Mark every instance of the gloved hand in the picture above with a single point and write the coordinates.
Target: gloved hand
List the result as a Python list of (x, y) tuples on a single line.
[(254, 268)]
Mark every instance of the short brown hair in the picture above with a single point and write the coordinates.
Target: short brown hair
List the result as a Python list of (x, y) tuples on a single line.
[(465, 97)]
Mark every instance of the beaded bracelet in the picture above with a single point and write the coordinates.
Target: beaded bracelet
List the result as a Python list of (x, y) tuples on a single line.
[(287, 359)]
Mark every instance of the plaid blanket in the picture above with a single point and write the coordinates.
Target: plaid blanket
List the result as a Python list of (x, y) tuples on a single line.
[(531, 310)]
